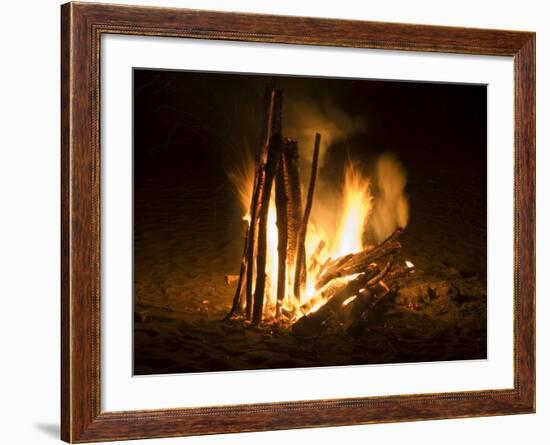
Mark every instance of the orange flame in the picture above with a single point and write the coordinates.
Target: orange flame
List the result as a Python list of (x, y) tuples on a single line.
[(357, 205), (352, 210)]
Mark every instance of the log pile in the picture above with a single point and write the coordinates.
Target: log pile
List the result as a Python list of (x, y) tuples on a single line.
[(354, 303), (355, 281)]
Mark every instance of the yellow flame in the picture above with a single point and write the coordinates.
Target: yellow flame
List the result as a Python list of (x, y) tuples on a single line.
[(242, 178), (352, 212), (357, 205)]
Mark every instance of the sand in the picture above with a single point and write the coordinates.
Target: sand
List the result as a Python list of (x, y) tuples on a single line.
[(188, 236)]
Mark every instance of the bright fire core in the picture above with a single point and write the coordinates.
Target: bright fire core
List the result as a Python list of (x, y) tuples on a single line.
[(350, 216)]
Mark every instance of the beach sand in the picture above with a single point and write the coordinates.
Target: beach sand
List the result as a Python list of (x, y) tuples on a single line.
[(188, 235)]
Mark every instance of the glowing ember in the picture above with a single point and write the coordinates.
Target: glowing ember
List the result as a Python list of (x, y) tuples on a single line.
[(316, 307), (349, 300)]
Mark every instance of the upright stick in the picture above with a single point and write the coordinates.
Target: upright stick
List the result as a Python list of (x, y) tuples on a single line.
[(281, 204), (289, 215), (256, 196), (300, 273), (237, 298), (251, 239), (273, 157), (294, 196)]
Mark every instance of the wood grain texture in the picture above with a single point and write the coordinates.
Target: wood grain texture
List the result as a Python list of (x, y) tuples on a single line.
[(82, 27)]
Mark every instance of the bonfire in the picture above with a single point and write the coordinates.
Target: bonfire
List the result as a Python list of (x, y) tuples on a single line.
[(292, 272)]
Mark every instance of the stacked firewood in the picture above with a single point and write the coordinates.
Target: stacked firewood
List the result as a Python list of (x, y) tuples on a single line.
[(276, 165), (353, 290), (277, 168)]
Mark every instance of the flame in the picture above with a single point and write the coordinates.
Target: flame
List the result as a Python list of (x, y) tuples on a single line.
[(350, 215), (242, 178), (315, 307), (357, 205)]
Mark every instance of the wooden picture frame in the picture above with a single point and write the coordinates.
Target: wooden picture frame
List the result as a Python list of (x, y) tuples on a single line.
[(82, 26)]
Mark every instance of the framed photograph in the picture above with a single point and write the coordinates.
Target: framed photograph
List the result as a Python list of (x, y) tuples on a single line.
[(274, 222)]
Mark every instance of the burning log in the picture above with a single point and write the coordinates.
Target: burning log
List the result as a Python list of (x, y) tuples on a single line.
[(315, 256), (400, 271), (267, 129), (247, 260), (289, 174), (376, 279), (336, 286), (288, 203), (335, 295), (259, 181), (246, 274), (311, 323), (250, 241), (323, 268), (357, 262), (281, 203), (272, 162), (300, 272)]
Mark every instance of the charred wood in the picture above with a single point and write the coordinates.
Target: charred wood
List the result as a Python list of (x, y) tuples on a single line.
[(376, 279), (272, 162), (281, 204), (357, 262), (251, 241), (259, 181), (314, 263), (370, 310), (300, 272), (289, 214), (311, 323), (290, 175), (236, 306), (336, 286)]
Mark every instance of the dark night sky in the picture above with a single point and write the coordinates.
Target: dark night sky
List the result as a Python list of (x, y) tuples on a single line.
[(204, 118)]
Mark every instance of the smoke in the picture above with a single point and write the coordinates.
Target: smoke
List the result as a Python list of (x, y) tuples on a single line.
[(386, 201), (242, 178), (391, 206), (304, 117)]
